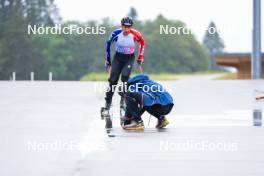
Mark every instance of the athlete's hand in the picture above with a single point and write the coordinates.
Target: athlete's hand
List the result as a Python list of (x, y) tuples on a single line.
[(259, 97), (108, 66)]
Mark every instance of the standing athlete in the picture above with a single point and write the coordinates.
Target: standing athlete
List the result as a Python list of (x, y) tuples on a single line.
[(125, 39)]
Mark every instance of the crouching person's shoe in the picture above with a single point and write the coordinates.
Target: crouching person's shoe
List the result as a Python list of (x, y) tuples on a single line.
[(125, 121), (162, 122), (134, 125)]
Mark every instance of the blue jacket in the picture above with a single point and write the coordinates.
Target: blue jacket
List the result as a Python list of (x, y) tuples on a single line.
[(153, 93)]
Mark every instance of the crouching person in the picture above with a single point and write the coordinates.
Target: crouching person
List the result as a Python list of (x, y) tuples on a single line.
[(143, 94)]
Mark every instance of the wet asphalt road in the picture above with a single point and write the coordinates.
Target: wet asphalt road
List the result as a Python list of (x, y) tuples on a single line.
[(55, 129)]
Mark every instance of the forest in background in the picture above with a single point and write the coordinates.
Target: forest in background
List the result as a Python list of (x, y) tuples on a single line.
[(69, 57)]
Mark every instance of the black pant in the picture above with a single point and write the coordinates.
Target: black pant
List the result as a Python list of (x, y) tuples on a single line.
[(135, 107), (122, 64)]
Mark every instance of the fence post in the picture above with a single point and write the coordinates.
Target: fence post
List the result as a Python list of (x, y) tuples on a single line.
[(32, 76), (50, 76), (14, 76)]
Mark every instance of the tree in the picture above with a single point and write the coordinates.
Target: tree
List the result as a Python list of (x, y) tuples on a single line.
[(214, 44), (41, 12), (133, 13), (18, 52), (174, 53), (70, 57)]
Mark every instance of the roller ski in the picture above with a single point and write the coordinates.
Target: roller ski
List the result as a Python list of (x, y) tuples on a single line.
[(134, 126), (107, 116), (162, 123)]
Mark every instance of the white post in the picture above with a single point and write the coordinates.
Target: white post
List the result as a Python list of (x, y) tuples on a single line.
[(14, 76), (32, 76), (50, 76)]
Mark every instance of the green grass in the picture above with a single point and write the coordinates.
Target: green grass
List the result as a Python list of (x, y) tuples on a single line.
[(228, 76), (164, 77), (95, 77), (103, 76)]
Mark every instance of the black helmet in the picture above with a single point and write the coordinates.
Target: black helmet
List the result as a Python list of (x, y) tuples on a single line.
[(127, 21)]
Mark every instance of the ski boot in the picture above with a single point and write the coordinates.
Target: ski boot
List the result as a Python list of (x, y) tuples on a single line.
[(105, 115)]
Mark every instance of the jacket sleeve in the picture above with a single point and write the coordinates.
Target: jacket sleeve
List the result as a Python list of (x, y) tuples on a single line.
[(109, 42), (141, 41), (108, 48), (141, 49)]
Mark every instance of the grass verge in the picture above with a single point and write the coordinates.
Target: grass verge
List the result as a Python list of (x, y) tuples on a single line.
[(102, 76)]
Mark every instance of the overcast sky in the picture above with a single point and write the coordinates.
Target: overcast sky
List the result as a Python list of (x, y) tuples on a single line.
[(232, 17)]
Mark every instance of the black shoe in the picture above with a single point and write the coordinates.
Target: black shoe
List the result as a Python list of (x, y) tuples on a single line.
[(125, 121)]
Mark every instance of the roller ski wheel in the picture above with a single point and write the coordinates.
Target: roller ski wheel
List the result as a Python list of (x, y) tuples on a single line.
[(108, 123), (105, 115)]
